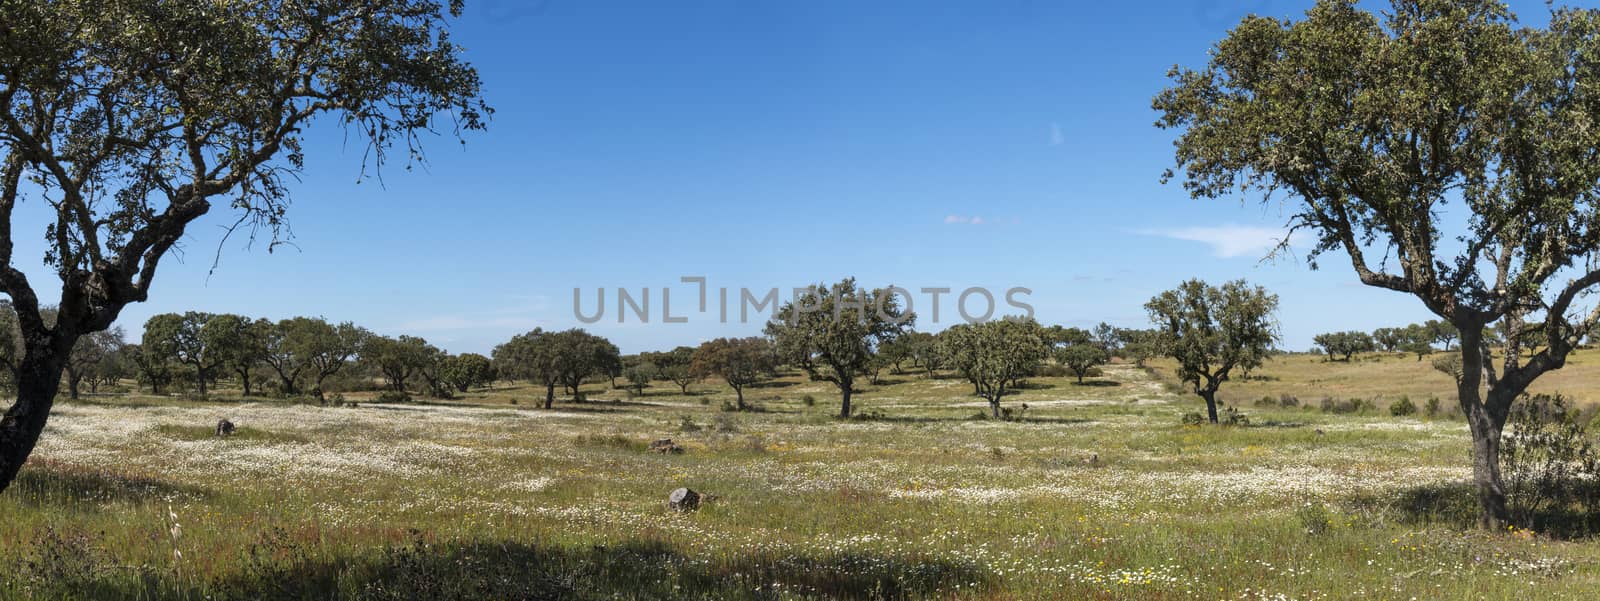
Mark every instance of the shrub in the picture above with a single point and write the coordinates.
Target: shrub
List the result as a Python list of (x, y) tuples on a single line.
[(1266, 401), (1233, 417), (1314, 518), (1432, 406), (869, 415), (686, 424), (393, 396), (1402, 407), (726, 424), (729, 406), (808, 400), (1288, 401), (1193, 418), (1332, 405), (1551, 467)]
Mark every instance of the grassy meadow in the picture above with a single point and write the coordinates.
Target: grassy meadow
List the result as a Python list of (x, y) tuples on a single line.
[(1095, 491)]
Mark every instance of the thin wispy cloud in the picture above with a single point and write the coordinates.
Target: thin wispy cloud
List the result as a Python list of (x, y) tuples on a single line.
[(978, 220), (1228, 241)]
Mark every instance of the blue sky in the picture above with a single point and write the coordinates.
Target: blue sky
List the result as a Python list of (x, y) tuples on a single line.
[(995, 144)]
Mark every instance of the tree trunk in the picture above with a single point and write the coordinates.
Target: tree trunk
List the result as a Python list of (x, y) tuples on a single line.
[(549, 396), (38, 380), (994, 407), (1486, 471), (1486, 422), (244, 380), (1211, 404), (738, 392), (287, 383), (844, 393)]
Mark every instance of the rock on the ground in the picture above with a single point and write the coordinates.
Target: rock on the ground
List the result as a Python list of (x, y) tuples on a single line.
[(666, 446), (684, 499)]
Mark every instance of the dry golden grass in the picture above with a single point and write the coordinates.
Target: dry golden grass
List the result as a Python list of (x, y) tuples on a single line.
[(1383, 376)]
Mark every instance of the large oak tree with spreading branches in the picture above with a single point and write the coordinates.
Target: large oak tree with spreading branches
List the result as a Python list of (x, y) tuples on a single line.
[(128, 119), (1446, 150)]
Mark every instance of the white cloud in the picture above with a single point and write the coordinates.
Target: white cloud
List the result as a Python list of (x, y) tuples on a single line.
[(977, 220), (1228, 241)]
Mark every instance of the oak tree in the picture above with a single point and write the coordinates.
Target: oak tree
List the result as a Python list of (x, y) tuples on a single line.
[(832, 332), (1446, 150), (1212, 330), (127, 120)]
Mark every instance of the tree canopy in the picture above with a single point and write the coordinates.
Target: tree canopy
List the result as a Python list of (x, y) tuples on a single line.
[(833, 332), (1212, 330), (128, 119), (740, 362), (1441, 136), (994, 355)]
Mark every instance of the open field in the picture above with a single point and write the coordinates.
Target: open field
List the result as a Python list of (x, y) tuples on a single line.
[(1386, 377), (1097, 493)]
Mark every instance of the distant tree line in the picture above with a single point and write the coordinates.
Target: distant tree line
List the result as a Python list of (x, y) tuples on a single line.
[(844, 335)]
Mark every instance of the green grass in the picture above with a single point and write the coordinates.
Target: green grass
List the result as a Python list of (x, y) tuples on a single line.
[(1096, 492)]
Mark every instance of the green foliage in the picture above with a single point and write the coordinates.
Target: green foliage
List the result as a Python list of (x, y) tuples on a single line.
[(1080, 359), (1139, 346), (466, 370), (1345, 344), (1389, 339), (399, 359), (310, 350), (1402, 407), (125, 121), (1449, 365), (96, 357), (1314, 518), (994, 355), (674, 366), (563, 358), (1443, 133), (833, 332), (1232, 416), (393, 396), (1551, 466), (1211, 330), (922, 349), (639, 377), (740, 362)]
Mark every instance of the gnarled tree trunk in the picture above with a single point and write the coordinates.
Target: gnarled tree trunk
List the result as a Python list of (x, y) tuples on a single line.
[(1486, 418), (38, 380)]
